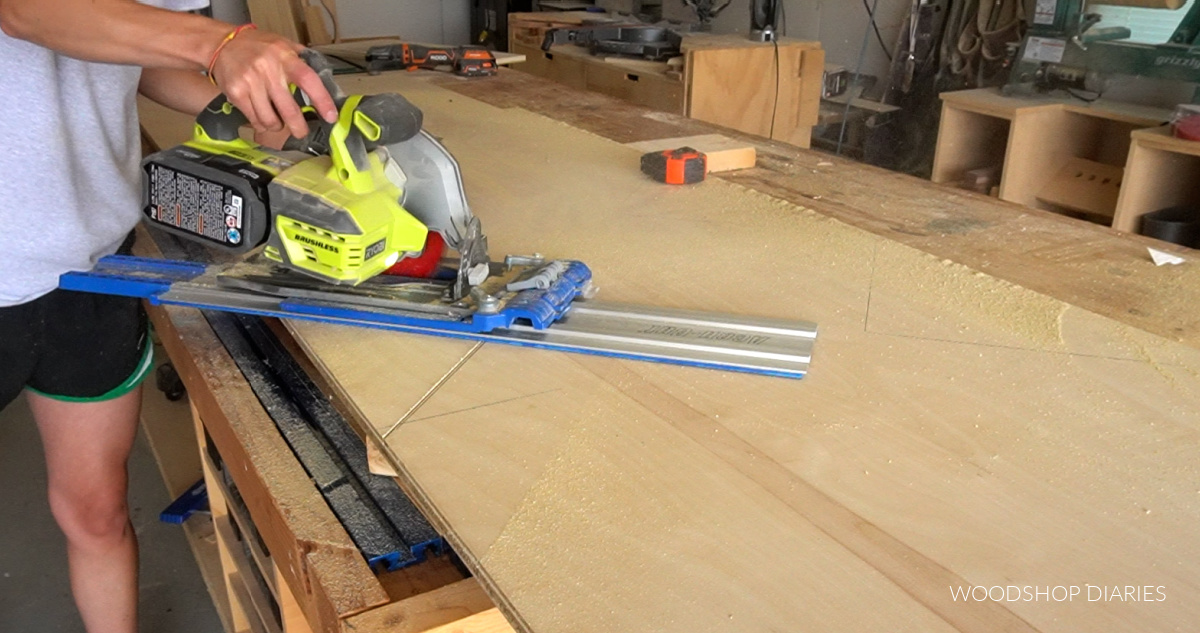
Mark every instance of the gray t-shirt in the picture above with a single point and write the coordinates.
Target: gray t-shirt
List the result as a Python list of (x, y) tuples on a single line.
[(69, 154)]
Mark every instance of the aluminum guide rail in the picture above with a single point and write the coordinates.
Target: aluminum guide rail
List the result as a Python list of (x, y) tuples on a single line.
[(776, 347)]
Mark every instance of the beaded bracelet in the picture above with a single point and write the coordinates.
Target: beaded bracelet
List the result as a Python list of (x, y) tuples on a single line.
[(228, 38)]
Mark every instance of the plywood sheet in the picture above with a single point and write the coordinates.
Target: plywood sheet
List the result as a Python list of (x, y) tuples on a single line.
[(956, 430)]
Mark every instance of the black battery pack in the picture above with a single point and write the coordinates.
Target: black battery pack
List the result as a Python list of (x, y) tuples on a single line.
[(217, 197)]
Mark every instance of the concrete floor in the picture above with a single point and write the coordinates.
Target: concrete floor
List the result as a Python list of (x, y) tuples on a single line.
[(34, 594)]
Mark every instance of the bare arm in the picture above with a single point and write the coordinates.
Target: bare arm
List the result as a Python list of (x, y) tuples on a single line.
[(253, 70), (117, 31), (184, 90)]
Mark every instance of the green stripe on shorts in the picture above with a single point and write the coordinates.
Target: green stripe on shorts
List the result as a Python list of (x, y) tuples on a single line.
[(131, 383)]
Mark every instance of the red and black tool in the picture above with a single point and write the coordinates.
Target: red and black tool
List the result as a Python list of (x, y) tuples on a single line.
[(683, 166), (468, 61)]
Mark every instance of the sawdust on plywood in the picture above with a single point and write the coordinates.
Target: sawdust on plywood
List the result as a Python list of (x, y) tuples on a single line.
[(917, 294), (674, 541)]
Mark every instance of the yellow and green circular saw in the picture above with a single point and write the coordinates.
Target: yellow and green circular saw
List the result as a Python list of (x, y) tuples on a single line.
[(330, 205)]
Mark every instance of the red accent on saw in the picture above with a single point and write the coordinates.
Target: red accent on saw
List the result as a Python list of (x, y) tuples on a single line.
[(423, 265)]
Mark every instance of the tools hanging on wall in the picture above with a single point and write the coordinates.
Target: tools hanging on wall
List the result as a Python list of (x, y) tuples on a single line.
[(943, 45), (979, 35)]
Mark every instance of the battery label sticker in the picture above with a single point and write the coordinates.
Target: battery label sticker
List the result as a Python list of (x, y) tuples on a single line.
[(192, 204), (1044, 12), (233, 212), (1044, 49)]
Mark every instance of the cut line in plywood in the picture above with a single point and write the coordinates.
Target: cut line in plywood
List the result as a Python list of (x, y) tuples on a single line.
[(723, 153)]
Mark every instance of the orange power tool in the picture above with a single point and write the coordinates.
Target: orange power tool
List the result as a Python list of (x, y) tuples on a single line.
[(468, 61)]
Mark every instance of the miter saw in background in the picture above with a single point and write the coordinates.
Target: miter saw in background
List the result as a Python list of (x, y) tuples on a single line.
[(323, 230), (1068, 48)]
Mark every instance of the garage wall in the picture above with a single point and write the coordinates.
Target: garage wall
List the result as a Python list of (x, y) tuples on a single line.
[(428, 21), (838, 24)]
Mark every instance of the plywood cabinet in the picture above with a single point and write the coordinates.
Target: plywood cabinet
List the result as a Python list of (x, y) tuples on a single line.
[(1162, 172), (1106, 162)]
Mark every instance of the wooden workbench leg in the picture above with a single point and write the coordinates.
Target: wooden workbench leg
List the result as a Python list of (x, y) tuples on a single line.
[(219, 507), (290, 611)]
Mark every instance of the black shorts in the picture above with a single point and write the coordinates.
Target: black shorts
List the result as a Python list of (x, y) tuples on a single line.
[(73, 346)]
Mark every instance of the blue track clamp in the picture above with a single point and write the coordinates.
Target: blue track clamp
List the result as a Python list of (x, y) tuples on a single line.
[(194, 500), (543, 307), (435, 547), (390, 561), (418, 553)]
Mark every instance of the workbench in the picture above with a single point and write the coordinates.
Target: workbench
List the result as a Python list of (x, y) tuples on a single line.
[(999, 396)]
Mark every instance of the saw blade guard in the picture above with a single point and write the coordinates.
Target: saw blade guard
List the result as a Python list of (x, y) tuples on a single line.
[(434, 195)]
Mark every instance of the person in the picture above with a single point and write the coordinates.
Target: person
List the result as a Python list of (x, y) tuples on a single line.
[(69, 194)]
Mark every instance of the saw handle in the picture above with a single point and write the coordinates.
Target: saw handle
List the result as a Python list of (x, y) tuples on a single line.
[(382, 119), (365, 123), (396, 118), (220, 120)]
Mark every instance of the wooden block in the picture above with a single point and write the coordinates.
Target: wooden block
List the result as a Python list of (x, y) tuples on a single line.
[(490, 621), (449, 605), (276, 16), (724, 153), (1085, 186), (507, 59)]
